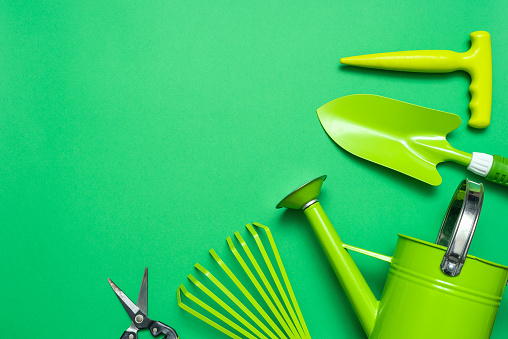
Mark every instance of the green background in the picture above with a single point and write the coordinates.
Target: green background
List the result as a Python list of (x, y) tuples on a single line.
[(143, 133)]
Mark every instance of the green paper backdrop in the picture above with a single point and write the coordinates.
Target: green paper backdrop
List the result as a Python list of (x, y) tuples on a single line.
[(143, 133)]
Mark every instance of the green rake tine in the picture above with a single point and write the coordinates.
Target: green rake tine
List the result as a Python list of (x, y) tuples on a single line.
[(267, 284), (225, 306), (275, 277), (198, 315), (284, 276), (260, 290), (235, 300), (246, 293)]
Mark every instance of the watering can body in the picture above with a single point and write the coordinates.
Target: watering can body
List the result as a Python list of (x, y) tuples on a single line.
[(420, 301)]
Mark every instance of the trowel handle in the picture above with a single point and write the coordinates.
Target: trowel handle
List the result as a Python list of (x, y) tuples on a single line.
[(499, 171), (493, 167)]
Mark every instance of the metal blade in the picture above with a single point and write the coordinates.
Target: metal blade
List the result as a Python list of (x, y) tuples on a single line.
[(132, 328), (143, 293), (129, 306)]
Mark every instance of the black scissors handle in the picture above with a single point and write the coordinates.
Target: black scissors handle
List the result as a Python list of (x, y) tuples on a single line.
[(129, 335), (157, 328)]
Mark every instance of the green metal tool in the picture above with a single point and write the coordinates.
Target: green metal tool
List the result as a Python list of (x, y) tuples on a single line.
[(407, 138)]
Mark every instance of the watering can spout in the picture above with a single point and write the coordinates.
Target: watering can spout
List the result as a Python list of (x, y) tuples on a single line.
[(358, 292)]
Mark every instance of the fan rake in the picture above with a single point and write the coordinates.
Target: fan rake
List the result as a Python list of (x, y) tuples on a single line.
[(279, 319)]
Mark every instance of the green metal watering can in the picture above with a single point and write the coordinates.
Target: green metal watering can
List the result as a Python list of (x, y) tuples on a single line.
[(432, 290)]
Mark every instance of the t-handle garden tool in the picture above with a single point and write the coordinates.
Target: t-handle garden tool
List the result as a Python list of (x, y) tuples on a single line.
[(137, 312), (434, 291), (407, 138), (477, 62)]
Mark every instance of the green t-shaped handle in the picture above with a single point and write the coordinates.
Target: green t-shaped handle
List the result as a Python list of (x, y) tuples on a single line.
[(477, 62)]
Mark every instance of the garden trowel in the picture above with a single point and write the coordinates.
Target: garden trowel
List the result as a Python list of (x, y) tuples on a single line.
[(407, 138)]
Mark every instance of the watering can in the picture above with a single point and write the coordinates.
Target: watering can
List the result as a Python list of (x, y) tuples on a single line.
[(432, 290)]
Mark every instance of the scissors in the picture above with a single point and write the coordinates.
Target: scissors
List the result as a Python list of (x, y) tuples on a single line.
[(137, 312)]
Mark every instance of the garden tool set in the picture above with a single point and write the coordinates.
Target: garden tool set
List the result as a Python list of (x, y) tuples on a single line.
[(433, 290)]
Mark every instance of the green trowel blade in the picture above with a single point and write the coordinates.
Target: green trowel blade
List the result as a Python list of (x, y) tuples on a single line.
[(407, 138)]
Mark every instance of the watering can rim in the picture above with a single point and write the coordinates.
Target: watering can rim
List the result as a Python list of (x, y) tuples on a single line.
[(469, 256)]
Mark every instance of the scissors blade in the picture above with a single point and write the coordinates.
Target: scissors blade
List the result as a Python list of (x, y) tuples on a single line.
[(129, 306), (132, 328), (143, 293)]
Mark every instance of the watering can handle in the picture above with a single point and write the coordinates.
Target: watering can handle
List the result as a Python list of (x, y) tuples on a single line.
[(459, 225), (369, 253)]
